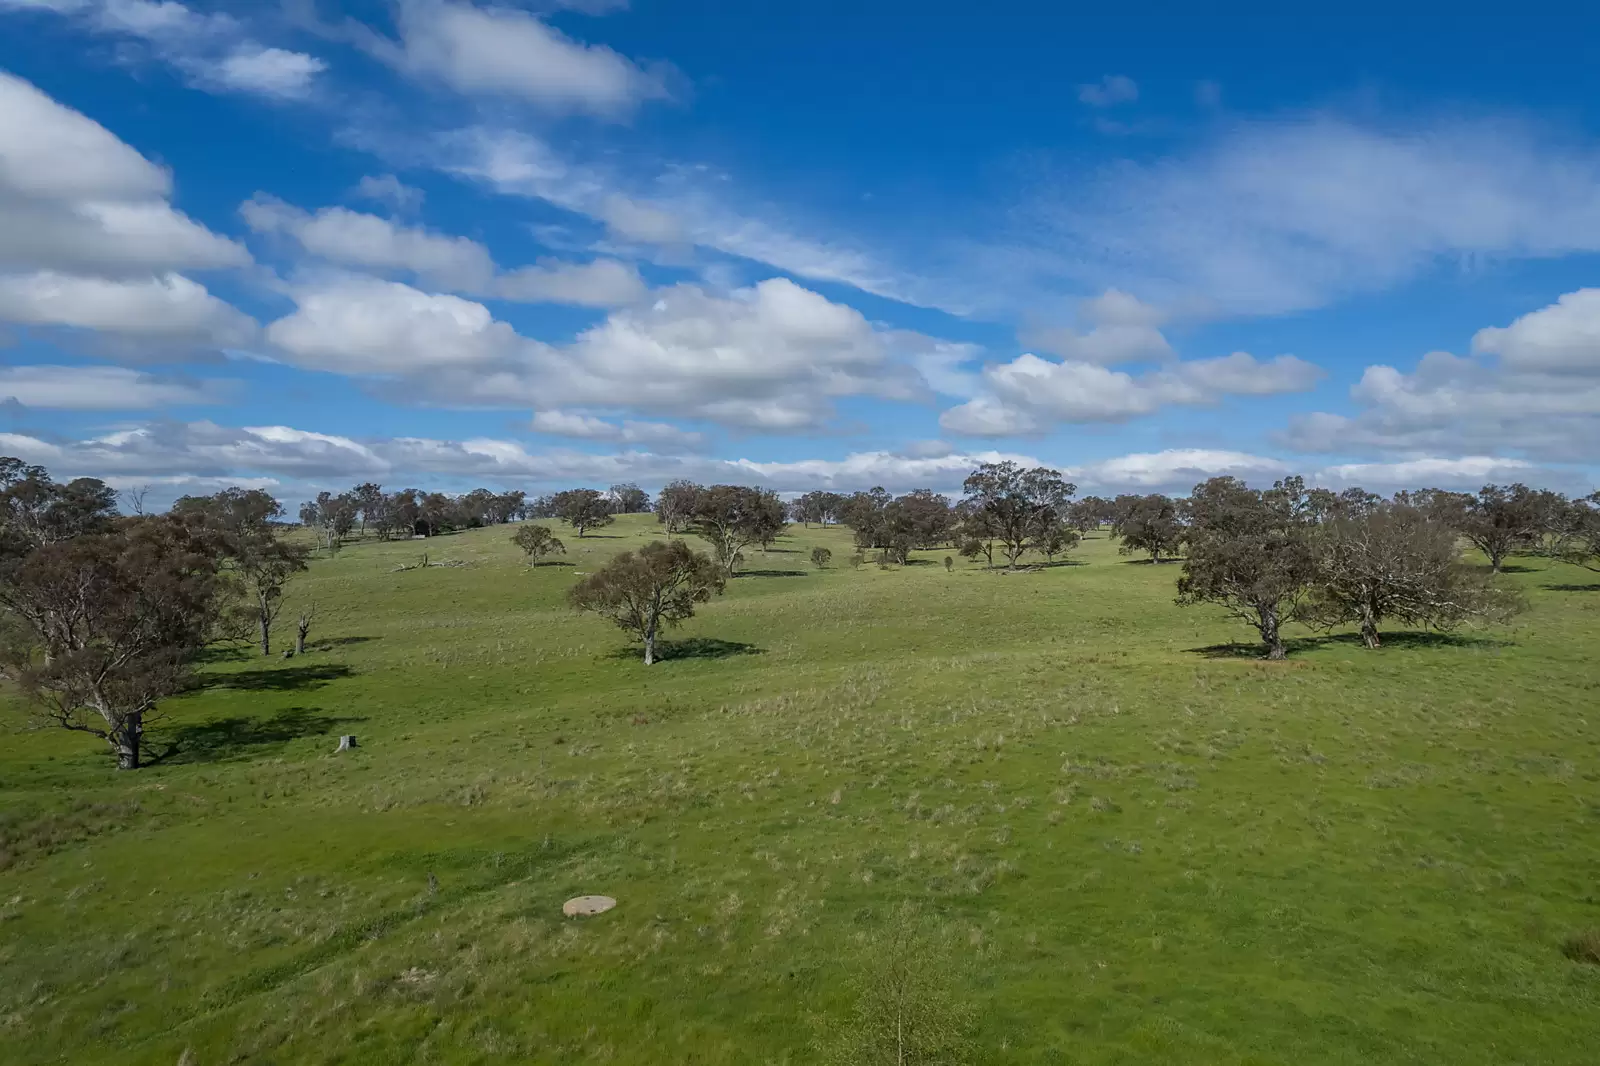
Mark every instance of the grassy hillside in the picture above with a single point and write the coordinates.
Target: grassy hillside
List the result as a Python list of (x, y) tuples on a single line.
[(1138, 845)]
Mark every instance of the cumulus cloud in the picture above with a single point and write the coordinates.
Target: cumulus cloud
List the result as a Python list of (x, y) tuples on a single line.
[(582, 426), (73, 197), (1124, 329), (352, 238), (1532, 389), (500, 51), (100, 388), (213, 50), (168, 309), (352, 324), (1030, 395), (772, 357)]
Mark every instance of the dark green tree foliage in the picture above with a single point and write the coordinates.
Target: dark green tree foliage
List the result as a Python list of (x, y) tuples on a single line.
[(818, 507), (1090, 513), (1250, 552), (733, 517), (331, 517), (647, 590), (106, 624), (259, 562), (368, 497), (1500, 519), (629, 498), (1578, 537), (1152, 524), (1013, 507), (36, 510), (675, 505), (582, 509), (820, 557), (536, 542), (1395, 561)]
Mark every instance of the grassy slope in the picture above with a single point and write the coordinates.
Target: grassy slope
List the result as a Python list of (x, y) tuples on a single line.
[(1146, 853)]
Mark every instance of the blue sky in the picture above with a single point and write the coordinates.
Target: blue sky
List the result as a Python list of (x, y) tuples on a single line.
[(446, 243)]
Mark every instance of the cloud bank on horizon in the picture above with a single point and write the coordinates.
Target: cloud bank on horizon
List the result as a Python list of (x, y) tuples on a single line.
[(450, 243)]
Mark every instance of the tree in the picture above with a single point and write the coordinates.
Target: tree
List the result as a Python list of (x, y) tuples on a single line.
[(105, 625), (904, 1013), (732, 517), (1501, 519), (36, 510), (1578, 539), (817, 506), (1152, 524), (1090, 513), (675, 505), (820, 557), (258, 560), (332, 517), (582, 509), (643, 591), (1017, 506), (1395, 561), (536, 542), (368, 497), (302, 627), (629, 498), (1250, 552), (921, 518), (1058, 539)]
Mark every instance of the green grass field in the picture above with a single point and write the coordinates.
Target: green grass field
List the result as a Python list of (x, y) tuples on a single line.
[(1139, 845)]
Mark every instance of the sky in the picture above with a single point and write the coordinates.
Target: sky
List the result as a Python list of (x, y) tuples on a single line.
[(303, 244)]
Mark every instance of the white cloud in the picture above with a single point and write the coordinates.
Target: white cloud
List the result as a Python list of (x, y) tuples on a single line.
[(587, 427), (1534, 390), (168, 309), (268, 71), (1109, 91), (1174, 470), (212, 49), (99, 388), (1030, 394), (1468, 471), (688, 204), (359, 325), (390, 190), (74, 198), (1563, 338), (1283, 215), (504, 52), (600, 283), (351, 238)]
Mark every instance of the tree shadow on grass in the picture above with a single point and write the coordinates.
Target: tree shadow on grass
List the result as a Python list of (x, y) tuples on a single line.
[(1573, 588), (1517, 568), (1151, 562), (1405, 638), (226, 738), (691, 648), (770, 573), (285, 679), (338, 642)]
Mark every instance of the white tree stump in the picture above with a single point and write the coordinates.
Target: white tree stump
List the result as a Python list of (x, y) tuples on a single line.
[(587, 906), (346, 743)]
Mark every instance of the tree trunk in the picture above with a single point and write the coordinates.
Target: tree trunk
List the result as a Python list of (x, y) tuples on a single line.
[(1496, 557), (300, 642), (266, 632), (1369, 627), (650, 646), (1269, 633), (1155, 557), (125, 740)]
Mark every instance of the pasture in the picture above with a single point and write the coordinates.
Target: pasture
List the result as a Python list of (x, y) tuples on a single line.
[(1136, 843)]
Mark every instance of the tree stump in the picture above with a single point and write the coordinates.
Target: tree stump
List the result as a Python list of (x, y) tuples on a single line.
[(346, 743), (586, 906)]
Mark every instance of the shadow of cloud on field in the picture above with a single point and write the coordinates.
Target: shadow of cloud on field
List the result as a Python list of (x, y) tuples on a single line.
[(284, 679), (225, 738), (1405, 638)]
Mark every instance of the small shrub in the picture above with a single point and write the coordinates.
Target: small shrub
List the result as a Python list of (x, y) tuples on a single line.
[(820, 557), (1583, 947), (949, 564), (858, 559)]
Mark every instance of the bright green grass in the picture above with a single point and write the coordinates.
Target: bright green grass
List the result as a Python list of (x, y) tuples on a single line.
[(1144, 853)]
